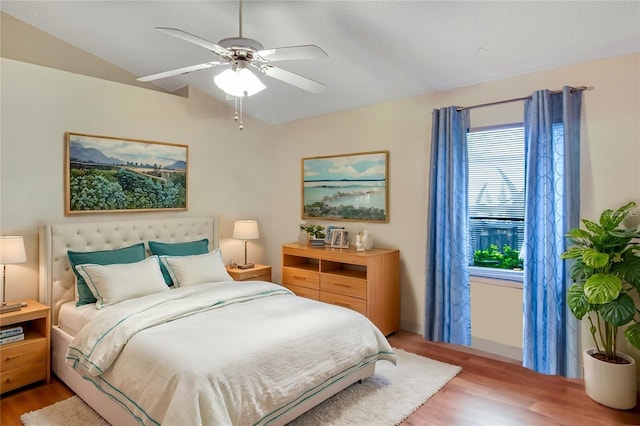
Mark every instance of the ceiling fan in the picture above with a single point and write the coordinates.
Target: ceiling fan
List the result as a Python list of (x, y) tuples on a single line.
[(241, 55)]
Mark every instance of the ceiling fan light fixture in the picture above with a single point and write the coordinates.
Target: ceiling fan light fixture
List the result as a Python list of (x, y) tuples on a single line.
[(239, 82)]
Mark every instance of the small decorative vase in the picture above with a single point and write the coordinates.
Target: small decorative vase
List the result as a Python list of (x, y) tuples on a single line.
[(303, 238), (367, 240), (613, 385)]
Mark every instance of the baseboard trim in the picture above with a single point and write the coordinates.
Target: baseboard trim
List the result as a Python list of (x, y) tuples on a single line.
[(497, 348), (412, 327)]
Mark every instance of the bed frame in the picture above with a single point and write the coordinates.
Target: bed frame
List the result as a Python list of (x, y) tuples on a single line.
[(57, 286)]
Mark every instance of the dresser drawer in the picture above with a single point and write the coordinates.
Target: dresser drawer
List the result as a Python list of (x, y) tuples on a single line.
[(300, 277), (22, 353), (309, 293), (341, 284), (18, 377), (358, 305)]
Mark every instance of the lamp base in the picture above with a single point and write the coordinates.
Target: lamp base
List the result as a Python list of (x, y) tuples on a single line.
[(245, 266), (10, 308)]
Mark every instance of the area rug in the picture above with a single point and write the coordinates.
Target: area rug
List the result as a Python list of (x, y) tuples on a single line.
[(385, 399)]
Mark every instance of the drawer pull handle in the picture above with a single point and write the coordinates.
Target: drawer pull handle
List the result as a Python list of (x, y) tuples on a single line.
[(342, 285), (9, 358), (299, 278)]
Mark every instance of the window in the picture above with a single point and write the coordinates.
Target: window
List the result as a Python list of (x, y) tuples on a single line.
[(496, 201)]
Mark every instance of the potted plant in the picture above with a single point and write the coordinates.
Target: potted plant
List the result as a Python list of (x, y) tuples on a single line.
[(606, 275), (315, 232)]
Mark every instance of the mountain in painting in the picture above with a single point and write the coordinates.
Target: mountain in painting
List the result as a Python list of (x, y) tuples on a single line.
[(178, 165), (77, 152)]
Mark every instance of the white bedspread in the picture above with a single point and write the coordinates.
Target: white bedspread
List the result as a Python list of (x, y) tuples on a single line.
[(236, 353)]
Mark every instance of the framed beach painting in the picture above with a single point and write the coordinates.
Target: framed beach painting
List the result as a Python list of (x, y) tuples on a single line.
[(105, 174), (346, 187)]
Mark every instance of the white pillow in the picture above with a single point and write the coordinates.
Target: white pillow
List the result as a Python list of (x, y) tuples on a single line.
[(114, 283), (196, 269)]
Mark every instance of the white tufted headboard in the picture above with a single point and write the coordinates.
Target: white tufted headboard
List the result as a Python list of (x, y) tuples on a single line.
[(57, 280)]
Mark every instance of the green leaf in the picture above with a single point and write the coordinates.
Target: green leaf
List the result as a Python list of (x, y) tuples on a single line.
[(627, 234), (579, 271), (618, 312), (602, 288), (594, 258), (577, 301), (632, 333), (579, 237), (629, 269), (572, 253), (611, 219), (606, 219), (592, 226)]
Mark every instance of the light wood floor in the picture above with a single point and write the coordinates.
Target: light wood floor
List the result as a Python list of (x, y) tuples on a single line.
[(489, 391)]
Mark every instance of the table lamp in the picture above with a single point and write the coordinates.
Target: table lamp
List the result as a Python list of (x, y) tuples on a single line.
[(245, 230), (11, 252)]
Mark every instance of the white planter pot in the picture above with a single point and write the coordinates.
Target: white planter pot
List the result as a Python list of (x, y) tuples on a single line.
[(303, 238), (613, 385)]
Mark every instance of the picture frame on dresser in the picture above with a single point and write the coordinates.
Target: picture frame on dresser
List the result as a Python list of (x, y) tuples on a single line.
[(339, 238), (105, 174)]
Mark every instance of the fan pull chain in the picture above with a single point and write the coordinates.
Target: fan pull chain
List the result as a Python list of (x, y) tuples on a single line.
[(238, 117)]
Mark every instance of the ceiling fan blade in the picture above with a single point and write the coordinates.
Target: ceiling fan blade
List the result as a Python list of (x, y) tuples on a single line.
[(222, 51), (309, 51), (293, 79), (184, 70)]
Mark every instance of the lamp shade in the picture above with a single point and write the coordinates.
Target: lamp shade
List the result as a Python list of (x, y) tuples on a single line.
[(239, 82), (12, 250), (245, 230)]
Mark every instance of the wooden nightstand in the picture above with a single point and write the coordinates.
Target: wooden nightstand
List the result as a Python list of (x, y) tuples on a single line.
[(26, 361), (257, 273)]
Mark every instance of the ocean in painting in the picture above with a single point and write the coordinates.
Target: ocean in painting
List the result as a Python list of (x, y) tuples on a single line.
[(357, 193)]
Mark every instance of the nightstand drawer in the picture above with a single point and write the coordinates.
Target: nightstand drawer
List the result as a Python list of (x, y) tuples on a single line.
[(300, 277), (344, 285), (309, 293), (256, 277), (20, 354), (358, 305), (18, 377)]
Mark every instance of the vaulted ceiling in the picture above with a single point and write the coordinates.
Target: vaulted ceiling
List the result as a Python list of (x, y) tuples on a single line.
[(378, 50)]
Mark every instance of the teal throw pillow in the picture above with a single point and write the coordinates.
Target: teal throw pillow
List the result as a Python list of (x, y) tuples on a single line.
[(189, 248), (131, 254)]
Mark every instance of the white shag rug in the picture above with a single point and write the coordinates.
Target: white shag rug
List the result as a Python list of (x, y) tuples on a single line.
[(70, 412), (385, 399)]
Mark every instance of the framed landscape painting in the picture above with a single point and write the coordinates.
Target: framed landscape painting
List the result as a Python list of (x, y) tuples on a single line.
[(346, 187), (106, 175)]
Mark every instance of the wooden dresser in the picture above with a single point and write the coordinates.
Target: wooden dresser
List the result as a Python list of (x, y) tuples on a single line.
[(367, 282)]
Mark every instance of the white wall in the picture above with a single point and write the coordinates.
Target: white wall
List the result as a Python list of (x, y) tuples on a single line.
[(228, 175)]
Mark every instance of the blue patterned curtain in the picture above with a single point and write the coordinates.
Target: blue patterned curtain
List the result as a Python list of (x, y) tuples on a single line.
[(447, 313), (552, 170)]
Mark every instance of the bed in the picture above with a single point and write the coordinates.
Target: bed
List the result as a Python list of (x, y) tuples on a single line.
[(219, 352)]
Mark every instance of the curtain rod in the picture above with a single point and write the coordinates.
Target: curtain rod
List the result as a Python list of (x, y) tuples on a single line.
[(573, 89)]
